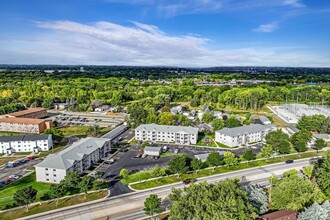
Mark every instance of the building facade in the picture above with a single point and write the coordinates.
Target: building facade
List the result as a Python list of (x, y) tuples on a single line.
[(239, 136), (24, 125), (25, 143), (77, 158), (166, 133)]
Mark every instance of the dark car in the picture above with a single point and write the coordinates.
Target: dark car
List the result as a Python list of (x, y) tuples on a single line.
[(289, 161), (187, 181), (138, 156)]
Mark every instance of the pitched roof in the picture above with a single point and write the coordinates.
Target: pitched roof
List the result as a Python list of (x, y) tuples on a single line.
[(246, 129), (322, 136), (167, 128), (24, 137), (115, 132), (27, 111), (67, 157), (22, 120)]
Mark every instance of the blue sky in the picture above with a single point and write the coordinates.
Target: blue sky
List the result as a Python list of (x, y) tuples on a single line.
[(186, 33)]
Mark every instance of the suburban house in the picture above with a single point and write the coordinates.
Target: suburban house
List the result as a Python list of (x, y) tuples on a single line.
[(153, 151), (243, 135), (25, 143), (167, 133), (76, 158), (24, 125)]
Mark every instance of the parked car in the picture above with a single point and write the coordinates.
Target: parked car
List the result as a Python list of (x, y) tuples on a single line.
[(164, 149), (110, 161), (156, 157), (23, 161), (176, 150), (144, 156), (14, 176), (187, 181), (138, 156), (140, 150), (289, 161)]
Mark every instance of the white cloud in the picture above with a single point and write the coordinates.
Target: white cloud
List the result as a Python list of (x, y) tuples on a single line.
[(294, 3), (266, 28), (105, 43)]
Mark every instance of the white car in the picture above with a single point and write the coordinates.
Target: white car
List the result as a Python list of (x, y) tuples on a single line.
[(164, 149), (14, 177)]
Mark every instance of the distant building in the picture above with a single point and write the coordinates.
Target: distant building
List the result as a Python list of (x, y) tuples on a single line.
[(77, 158), (280, 215), (102, 108), (243, 135), (153, 151), (167, 133), (29, 113), (25, 143), (176, 110), (262, 120), (115, 132), (24, 125), (61, 106)]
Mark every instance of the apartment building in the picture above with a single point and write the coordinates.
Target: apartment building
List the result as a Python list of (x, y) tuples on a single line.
[(166, 133), (76, 158), (29, 113), (243, 135), (24, 125), (25, 143)]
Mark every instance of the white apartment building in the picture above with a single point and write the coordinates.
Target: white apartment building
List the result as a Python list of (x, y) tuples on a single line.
[(166, 133), (25, 143), (243, 135), (76, 158)]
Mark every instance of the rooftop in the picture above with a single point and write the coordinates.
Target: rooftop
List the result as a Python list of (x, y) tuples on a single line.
[(157, 149), (67, 157), (167, 128), (27, 111), (24, 138), (22, 120), (246, 129), (115, 132)]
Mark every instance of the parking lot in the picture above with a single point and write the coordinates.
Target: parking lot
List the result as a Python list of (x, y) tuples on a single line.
[(19, 170)]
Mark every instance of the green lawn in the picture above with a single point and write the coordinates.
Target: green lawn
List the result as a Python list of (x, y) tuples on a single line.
[(210, 144), (4, 160), (81, 131), (9, 215), (9, 133), (23, 153), (219, 170), (6, 194)]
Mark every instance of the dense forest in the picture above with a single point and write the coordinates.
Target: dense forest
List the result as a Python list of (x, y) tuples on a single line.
[(36, 88)]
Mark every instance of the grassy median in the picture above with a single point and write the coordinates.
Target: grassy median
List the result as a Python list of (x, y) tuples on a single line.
[(48, 206), (223, 169)]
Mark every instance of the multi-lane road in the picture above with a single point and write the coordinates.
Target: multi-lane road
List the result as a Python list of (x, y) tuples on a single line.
[(129, 206)]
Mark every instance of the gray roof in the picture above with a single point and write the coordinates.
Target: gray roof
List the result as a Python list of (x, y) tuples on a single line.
[(246, 129), (156, 149), (293, 128), (264, 119), (167, 128), (66, 158), (322, 136), (35, 137), (203, 157), (115, 132)]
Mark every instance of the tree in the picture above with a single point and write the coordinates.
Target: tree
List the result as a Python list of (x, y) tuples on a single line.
[(57, 134), (229, 159), (266, 151), (207, 117), (25, 196), (223, 200), (279, 141), (196, 164), (249, 155), (157, 171), (123, 173), (300, 139), (218, 124), (232, 122), (322, 174), (71, 180), (316, 211), (320, 144), (284, 147), (178, 165), (214, 159), (56, 190), (85, 184), (308, 171), (152, 205), (294, 193), (166, 118), (257, 198)]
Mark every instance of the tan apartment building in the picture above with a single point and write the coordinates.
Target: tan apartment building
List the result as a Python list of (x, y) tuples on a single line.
[(29, 113), (24, 125)]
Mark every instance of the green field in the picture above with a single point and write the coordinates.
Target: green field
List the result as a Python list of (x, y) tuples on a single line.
[(4, 160), (6, 194), (48, 206), (81, 131), (219, 170)]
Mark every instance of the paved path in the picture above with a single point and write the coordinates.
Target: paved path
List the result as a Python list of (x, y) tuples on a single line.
[(129, 206)]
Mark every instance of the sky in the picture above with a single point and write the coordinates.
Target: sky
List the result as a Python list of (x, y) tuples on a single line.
[(186, 33)]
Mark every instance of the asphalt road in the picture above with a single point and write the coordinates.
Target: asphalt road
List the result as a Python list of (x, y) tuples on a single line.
[(129, 206)]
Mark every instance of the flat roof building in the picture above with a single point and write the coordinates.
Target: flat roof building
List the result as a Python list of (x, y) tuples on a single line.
[(166, 133), (243, 135), (76, 158), (29, 113), (24, 125), (25, 143), (153, 151)]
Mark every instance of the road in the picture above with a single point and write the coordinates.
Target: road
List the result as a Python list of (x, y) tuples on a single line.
[(129, 206)]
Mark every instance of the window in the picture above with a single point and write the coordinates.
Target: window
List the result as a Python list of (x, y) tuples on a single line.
[(54, 170), (46, 169), (47, 180)]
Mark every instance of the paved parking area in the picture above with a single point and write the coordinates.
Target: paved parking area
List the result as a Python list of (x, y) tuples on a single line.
[(126, 136)]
